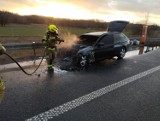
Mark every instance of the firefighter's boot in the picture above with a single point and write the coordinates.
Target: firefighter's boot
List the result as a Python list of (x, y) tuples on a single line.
[(50, 68)]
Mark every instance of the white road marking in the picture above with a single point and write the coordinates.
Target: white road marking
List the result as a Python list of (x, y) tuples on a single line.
[(57, 70), (88, 97)]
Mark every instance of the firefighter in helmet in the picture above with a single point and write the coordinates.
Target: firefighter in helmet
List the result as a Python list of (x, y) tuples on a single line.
[(2, 85), (2, 49), (49, 41)]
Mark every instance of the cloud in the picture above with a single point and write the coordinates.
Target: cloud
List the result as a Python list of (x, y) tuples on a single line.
[(13, 4), (100, 6), (105, 7), (138, 5), (138, 8)]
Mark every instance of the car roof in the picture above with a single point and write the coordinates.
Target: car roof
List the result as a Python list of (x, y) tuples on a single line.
[(98, 34), (95, 33)]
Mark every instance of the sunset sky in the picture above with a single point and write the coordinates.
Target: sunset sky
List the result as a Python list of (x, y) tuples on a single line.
[(106, 10)]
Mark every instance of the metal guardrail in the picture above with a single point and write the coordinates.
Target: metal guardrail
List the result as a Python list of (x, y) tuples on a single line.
[(20, 46), (152, 42)]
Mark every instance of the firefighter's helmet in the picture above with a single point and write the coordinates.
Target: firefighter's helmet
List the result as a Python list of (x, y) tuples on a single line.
[(53, 29)]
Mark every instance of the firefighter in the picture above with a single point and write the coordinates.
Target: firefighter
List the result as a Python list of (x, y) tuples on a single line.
[(2, 85), (2, 49), (49, 41)]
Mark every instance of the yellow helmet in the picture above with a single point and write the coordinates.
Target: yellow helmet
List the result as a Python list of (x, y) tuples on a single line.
[(52, 28)]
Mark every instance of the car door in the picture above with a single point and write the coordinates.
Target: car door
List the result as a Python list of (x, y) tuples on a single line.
[(104, 47)]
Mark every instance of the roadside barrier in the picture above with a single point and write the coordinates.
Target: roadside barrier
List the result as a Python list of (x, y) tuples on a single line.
[(24, 46), (152, 43), (20, 46), (22, 67)]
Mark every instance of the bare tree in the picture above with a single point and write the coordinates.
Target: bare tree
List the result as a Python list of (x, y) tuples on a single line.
[(4, 18)]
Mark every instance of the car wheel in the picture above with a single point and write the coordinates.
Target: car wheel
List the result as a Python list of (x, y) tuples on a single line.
[(122, 53), (82, 61)]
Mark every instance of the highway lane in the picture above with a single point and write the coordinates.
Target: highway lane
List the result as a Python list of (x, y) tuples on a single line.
[(27, 96)]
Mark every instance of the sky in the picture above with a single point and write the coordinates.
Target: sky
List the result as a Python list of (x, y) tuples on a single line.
[(134, 11)]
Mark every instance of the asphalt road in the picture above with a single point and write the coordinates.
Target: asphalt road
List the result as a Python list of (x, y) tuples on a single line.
[(124, 90)]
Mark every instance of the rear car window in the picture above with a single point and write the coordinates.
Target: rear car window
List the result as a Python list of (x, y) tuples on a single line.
[(120, 37)]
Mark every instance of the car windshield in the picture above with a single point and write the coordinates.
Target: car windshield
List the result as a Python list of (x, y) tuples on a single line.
[(88, 39)]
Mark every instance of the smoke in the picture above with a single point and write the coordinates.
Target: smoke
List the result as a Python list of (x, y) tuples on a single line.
[(69, 40), (66, 48)]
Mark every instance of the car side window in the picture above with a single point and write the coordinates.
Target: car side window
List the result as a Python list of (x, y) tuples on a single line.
[(87, 40), (107, 39)]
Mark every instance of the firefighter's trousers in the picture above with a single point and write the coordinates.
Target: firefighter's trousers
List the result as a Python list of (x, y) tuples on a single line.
[(50, 56)]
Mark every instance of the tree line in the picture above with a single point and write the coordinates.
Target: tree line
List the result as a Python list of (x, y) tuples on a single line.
[(8, 17)]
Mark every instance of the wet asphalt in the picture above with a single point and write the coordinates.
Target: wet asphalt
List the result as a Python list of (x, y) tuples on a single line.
[(27, 96)]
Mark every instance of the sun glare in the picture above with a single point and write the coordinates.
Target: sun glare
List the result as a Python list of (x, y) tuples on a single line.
[(58, 10), (72, 11)]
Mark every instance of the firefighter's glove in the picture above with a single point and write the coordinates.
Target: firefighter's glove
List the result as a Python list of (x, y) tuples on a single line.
[(61, 41), (2, 49)]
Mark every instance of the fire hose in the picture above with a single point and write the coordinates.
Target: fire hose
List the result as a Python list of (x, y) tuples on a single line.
[(3, 51), (22, 67), (2, 84)]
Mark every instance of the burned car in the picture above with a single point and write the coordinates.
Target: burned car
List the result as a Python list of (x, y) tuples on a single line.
[(98, 46)]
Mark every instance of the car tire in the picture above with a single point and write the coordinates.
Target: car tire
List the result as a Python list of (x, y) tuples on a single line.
[(122, 53), (82, 61)]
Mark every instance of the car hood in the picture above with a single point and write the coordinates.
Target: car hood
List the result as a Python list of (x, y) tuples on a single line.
[(117, 26), (86, 50)]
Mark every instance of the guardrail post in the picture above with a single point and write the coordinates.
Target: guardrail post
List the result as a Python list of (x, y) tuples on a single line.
[(141, 48), (148, 44), (34, 52)]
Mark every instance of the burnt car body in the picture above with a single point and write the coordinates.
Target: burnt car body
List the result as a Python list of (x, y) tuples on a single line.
[(98, 46)]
